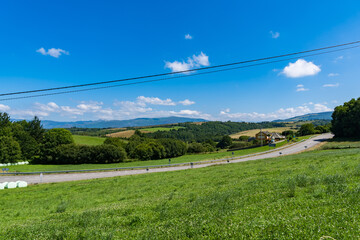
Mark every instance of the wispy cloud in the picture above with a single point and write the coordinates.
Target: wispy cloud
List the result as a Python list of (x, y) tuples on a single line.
[(195, 61), (301, 68), (274, 34), (188, 37), (333, 74), (187, 102), (301, 88), (281, 113), (155, 101), (331, 85), (54, 52), (339, 58)]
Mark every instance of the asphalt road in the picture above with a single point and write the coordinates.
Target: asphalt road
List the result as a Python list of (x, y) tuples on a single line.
[(50, 178)]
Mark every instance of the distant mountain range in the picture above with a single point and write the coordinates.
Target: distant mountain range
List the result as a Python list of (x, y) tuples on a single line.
[(138, 122), (308, 117)]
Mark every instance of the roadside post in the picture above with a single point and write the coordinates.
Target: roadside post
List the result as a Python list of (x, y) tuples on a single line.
[(169, 161)]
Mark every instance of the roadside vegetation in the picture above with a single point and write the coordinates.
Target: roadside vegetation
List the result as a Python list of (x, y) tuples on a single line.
[(28, 141), (303, 196), (183, 159)]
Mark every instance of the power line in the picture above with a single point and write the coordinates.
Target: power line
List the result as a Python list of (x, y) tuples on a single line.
[(179, 72), (175, 77)]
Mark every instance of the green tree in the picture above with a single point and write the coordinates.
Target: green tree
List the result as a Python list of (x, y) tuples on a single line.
[(346, 119), (173, 147), (306, 129), (9, 150), (4, 120), (225, 142), (53, 138)]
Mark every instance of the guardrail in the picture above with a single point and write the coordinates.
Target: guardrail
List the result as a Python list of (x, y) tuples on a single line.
[(154, 166)]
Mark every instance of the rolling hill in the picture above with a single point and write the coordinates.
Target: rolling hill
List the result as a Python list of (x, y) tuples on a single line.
[(308, 117), (138, 122)]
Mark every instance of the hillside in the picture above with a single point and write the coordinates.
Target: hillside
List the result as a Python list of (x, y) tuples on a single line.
[(304, 196), (138, 122), (308, 117)]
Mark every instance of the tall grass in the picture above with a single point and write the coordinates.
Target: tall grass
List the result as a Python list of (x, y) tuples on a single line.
[(304, 196)]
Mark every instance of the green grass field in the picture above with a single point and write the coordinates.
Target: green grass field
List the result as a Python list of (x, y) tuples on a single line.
[(182, 159), (304, 196), (88, 140), (156, 129)]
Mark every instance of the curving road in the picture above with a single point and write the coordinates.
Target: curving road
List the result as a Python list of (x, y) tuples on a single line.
[(50, 178)]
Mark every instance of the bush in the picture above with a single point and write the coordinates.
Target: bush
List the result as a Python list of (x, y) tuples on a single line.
[(81, 154), (244, 138), (195, 148), (239, 145)]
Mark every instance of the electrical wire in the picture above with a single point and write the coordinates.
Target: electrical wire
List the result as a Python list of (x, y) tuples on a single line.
[(178, 72), (176, 77)]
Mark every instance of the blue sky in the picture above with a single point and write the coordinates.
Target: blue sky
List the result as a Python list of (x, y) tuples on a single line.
[(56, 43)]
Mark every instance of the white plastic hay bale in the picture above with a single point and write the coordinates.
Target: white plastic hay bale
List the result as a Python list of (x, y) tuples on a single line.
[(2, 185), (21, 184), (11, 185)]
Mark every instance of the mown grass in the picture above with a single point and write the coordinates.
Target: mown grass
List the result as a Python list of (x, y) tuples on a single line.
[(182, 159), (88, 140), (304, 196)]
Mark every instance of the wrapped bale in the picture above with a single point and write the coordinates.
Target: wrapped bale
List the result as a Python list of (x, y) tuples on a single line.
[(2, 185), (11, 185), (21, 184)]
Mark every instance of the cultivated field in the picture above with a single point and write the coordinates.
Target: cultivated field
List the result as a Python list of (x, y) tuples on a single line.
[(303, 196), (252, 132), (129, 133), (88, 140)]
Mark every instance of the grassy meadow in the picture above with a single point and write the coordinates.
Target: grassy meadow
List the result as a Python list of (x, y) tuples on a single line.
[(88, 140), (303, 196), (182, 159)]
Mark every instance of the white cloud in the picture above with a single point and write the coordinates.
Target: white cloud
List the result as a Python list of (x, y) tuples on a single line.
[(321, 108), (4, 108), (54, 52), (194, 61), (281, 113), (188, 37), (187, 102), (301, 68), (301, 88), (333, 74), (331, 85), (155, 101), (274, 34)]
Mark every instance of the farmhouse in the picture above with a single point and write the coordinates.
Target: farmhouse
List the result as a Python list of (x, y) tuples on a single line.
[(268, 136)]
